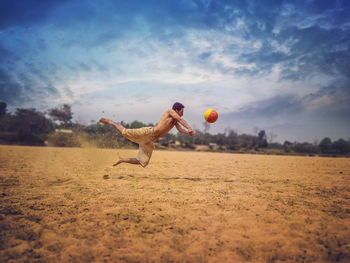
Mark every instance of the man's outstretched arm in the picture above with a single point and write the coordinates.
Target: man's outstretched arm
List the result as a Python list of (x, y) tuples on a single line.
[(179, 128), (182, 122), (176, 116)]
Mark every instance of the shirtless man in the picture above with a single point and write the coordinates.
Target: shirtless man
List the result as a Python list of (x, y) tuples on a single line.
[(146, 136)]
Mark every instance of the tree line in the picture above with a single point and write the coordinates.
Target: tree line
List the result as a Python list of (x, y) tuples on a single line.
[(55, 128)]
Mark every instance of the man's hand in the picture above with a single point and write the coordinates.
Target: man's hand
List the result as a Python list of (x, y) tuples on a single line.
[(190, 132), (106, 121)]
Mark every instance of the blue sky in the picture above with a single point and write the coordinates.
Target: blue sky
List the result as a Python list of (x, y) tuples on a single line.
[(282, 66)]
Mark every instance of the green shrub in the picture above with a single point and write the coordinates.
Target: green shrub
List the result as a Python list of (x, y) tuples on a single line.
[(59, 139)]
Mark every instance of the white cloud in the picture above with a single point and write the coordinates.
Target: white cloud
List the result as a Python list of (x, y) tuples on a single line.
[(132, 67)]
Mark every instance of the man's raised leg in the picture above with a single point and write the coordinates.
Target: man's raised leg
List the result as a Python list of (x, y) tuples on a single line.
[(118, 126)]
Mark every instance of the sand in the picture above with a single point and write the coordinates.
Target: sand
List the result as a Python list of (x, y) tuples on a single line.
[(71, 205)]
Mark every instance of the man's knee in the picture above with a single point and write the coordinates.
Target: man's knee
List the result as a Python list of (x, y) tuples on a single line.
[(143, 162)]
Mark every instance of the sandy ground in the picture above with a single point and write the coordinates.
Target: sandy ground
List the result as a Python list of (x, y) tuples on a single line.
[(71, 205)]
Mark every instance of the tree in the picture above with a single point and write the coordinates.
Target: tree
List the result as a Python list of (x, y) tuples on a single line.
[(262, 139), (31, 121), (199, 138), (232, 140), (248, 141), (220, 139), (341, 146), (167, 139), (28, 126), (185, 140), (206, 126), (5, 119), (137, 124), (287, 145), (271, 137), (3, 107), (325, 145), (63, 114), (305, 147)]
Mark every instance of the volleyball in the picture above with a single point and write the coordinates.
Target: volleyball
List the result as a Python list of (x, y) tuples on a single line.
[(211, 115)]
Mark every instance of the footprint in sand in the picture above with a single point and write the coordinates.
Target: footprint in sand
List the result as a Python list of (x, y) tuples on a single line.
[(107, 172)]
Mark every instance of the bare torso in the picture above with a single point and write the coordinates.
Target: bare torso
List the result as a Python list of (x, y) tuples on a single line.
[(165, 124)]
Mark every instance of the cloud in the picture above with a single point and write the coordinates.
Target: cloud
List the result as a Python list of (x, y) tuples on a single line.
[(328, 98), (252, 60), (22, 82), (6, 55), (281, 105), (323, 113), (10, 90), (26, 12), (204, 55), (317, 50), (330, 102)]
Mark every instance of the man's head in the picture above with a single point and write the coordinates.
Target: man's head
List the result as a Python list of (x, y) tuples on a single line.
[(178, 107)]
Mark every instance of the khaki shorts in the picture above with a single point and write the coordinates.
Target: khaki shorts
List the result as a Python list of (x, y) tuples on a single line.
[(144, 137)]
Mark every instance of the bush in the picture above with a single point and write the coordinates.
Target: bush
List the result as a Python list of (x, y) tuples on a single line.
[(341, 146), (305, 147), (58, 139), (21, 139)]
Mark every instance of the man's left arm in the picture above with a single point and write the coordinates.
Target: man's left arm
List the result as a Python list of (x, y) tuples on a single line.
[(182, 122), (180, 129)]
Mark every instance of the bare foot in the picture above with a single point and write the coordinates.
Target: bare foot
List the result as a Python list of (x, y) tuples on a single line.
[(106, 121), (118, 162)]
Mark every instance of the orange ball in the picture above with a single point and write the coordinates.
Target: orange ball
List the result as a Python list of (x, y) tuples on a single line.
[(211, 115)]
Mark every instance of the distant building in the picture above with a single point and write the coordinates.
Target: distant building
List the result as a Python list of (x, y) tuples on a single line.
[(213, 146), (63, 131)]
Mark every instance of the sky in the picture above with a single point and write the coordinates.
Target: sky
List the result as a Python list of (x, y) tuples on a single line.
[(281, 66)]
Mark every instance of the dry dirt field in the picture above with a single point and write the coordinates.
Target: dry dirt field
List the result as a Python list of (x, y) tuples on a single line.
[(71, 205)]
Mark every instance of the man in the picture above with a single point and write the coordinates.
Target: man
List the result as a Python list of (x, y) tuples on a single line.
[(146, 136)]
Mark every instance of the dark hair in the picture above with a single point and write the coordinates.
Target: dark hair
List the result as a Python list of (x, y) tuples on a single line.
[(178, 106)]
